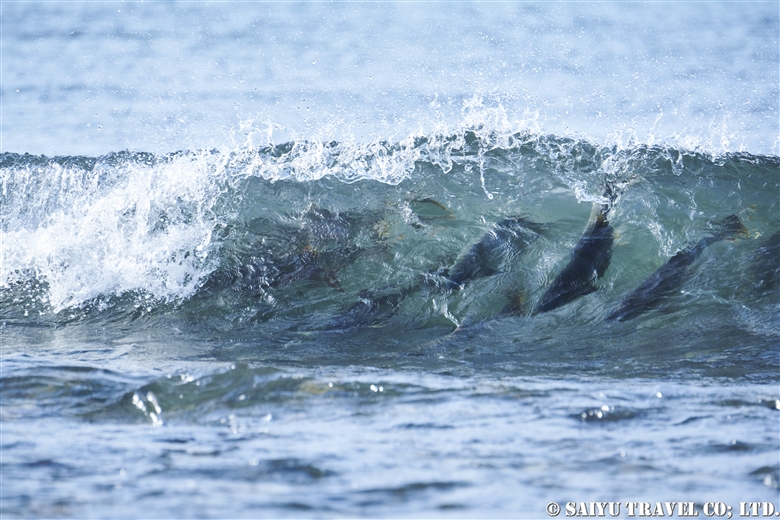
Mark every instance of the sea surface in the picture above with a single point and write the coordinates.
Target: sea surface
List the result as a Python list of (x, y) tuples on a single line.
[(407, 259)]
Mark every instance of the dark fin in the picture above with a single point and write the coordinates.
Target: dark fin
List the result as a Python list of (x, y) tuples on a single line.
[(731, 228)]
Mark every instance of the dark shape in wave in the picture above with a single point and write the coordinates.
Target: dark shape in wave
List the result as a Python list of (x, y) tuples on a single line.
[(589, 261), (372, 309), (428, 210), (315, 251), (670, 276), (503, 242), (484, 258), (765, 264)]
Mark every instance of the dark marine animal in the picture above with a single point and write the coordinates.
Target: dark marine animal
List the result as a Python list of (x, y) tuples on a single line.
[(764, 266), (267, 254), (589, 261), (670, 276), (484, 258), (262, 272), (372, 308)]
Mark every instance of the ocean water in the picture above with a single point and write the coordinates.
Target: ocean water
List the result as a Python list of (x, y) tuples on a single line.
[(429, 259)]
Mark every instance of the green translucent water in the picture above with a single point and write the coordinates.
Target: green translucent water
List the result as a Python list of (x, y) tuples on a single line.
[(244, 334)]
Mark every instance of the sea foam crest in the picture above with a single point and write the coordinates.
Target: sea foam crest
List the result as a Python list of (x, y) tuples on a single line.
[(387, 160), (148, 228)]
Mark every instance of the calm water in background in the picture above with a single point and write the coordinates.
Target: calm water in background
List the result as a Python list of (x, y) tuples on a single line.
[(92, 78), (135, 384)]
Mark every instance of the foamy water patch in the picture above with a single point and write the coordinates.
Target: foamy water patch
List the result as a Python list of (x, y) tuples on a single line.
[(151, 231), (253, 149), (484, 124)]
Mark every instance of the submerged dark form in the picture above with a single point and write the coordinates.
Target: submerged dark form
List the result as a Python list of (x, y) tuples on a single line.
[(505, 241), (589, 261), (458, 229), (669, 277)]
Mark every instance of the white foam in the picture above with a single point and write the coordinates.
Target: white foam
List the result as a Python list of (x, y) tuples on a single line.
[(150, 232)]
